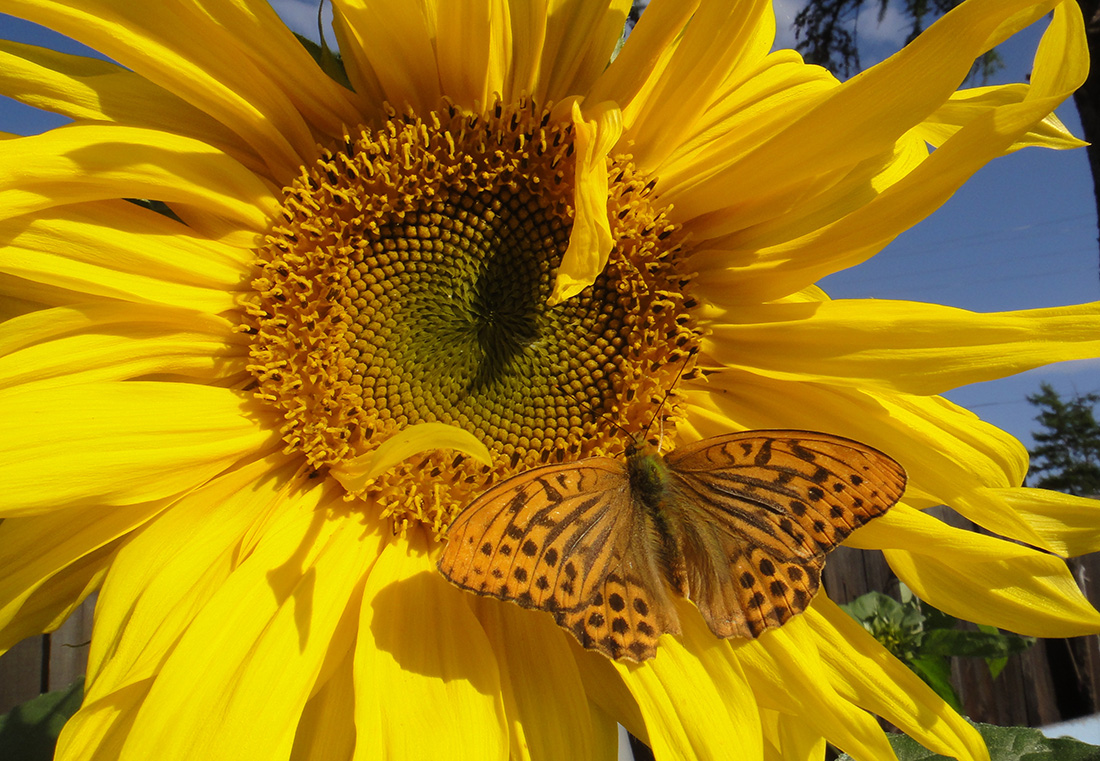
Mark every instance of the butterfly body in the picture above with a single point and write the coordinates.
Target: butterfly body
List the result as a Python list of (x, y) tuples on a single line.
[(739, 524)]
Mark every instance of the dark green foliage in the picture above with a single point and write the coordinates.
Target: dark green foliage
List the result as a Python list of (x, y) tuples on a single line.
[(1005, 744), (29, 732), (1066, 457)]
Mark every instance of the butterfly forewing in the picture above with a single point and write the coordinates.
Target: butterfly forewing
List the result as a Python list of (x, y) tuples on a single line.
[(769, 505)]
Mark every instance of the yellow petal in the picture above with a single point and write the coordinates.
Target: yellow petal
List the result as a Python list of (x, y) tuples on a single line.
[(722, 42), (578, 40), (590, 241), (118, 443), (52, 562), (91, 89), (119, 250), (946, 449), (163, 577), (763, 99), (719, 719), (91, 162), (865, 672), (544, 698), (219, 58), (354, 474), (473, 46), (645, 53), (773, 266), (265, 633), (786, 671), (287, 69), (389, 47), (327, 727), (980, 578), (113, 341), (19, 296), (100, 728), (898, 345), (433, 653), (864, 116), (788, 738), (528, 37), (160, 581), (603, 684), (605, 733)]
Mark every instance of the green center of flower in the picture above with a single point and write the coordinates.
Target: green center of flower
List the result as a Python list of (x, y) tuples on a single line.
[(408, 283)]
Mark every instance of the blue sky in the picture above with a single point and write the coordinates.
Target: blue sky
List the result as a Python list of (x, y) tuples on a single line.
[(1020, 235)]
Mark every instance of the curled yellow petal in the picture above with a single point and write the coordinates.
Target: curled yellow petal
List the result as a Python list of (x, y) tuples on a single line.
[(966, 105), (590, 243), (354, 474)]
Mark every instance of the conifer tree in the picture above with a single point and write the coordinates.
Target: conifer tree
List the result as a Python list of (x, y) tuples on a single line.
[(1067, 453)]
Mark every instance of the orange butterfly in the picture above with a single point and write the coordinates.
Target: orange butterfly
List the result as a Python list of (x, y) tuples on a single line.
[(738, 524)]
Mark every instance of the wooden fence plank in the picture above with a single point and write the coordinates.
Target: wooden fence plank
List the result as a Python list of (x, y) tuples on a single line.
[(69, 647), (21, 672)]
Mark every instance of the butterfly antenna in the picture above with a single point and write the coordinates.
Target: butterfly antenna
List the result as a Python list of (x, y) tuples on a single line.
[(603, 415), (668, 393)]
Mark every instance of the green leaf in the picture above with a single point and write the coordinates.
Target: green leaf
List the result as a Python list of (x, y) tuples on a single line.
[(934, 618), (973, 644), (331, 63), (936, 673), (29, 732), (996, 666), (1005, 744), (872, 605)]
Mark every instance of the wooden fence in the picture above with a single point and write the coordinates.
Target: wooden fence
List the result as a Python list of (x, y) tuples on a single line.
[(1054, 681), (46, 663)]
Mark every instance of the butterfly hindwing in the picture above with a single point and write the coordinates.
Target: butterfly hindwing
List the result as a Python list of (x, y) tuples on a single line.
[(630, 610), (770, 504)]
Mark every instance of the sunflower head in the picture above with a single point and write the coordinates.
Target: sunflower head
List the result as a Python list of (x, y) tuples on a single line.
[(409, 279)]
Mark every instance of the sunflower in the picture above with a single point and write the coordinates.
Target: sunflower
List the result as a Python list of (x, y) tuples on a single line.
[(266, 335)]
